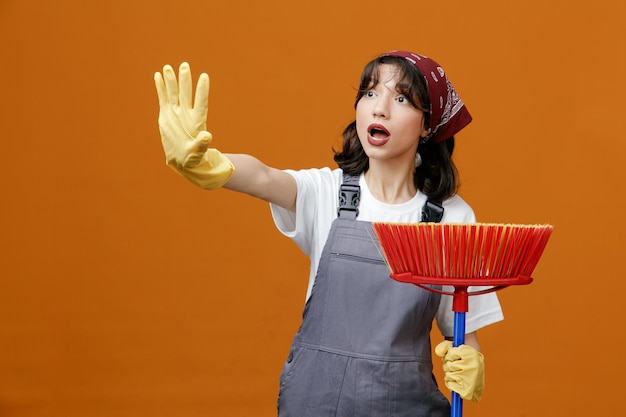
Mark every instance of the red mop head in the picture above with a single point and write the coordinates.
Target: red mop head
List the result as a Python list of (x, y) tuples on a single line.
[(462, 254)]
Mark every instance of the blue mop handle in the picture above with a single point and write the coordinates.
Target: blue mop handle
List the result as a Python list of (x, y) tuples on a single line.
[(458, 339)]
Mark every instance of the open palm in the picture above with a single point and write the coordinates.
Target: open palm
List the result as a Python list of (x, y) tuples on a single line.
[(182, 125)]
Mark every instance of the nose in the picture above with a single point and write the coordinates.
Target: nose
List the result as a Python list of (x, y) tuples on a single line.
[(381, 108)]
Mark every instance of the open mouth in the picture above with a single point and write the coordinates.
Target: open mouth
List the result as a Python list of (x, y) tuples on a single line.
[(377, 134)]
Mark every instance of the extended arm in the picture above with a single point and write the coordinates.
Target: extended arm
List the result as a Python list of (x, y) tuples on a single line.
[(253, 177)]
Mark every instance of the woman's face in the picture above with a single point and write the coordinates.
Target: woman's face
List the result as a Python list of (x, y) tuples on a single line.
[(388, 125)]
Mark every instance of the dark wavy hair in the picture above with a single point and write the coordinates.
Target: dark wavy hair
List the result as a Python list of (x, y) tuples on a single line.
[(437, 176)]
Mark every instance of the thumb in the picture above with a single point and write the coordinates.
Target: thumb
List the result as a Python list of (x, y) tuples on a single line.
[(442, 348), (202, 141), (196, 148)]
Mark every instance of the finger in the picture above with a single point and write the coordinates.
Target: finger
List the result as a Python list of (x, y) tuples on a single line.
[(202, 141), (160, 88), (196, 148), (452, 381), (184, 83), (453, 354), (171, 86), (442, 348), (201, 104), (452, 367)]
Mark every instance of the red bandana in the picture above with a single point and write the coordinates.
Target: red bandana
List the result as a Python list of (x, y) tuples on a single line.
[(448, 114)]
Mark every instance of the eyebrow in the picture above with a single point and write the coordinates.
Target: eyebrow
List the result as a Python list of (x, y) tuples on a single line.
[(403, 86)]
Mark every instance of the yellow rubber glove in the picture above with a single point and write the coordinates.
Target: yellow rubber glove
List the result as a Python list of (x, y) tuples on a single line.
[(183, 129), (464, 369)]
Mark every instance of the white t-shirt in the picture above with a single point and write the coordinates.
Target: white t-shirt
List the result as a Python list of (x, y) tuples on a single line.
[(316, 208)]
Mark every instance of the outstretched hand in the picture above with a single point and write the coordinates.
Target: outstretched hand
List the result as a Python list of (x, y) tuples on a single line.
[(183, 128)]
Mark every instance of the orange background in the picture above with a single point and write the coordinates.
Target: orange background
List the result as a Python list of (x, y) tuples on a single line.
[(125, 291)]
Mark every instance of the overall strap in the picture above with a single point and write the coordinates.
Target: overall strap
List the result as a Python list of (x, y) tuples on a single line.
[(432, 211), (349, 197)]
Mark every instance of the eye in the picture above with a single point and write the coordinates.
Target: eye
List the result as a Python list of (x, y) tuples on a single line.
[(369, 94), (402, 100)]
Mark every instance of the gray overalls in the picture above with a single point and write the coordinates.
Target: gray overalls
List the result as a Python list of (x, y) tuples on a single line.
[(363, 348)]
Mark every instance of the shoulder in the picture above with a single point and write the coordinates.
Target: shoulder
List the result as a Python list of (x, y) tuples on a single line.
[(317, 191), (458, 210), (317, 176), (321, 184)]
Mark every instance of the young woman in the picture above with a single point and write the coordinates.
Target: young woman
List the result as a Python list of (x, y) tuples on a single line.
[(363, 348)]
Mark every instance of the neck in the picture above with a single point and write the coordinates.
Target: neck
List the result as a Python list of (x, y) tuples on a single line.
[(391, 184)]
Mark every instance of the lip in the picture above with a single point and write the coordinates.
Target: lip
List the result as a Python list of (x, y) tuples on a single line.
[(374, 141)]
